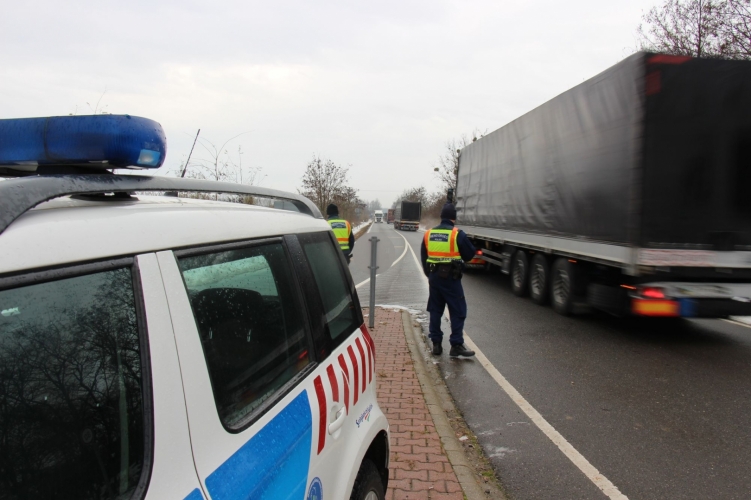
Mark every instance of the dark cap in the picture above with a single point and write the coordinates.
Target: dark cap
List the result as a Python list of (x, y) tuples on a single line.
[(448, 212), (332, 210)]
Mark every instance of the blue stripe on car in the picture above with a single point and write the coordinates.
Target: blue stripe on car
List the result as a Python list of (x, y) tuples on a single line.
[(274, 463), (195, 495)]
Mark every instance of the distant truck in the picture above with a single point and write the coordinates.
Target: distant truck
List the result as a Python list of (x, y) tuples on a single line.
[(407, 215), (629, 193), (378, 215), (390, 216)]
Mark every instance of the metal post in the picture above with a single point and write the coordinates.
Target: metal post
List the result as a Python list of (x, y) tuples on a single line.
[(373, 268)]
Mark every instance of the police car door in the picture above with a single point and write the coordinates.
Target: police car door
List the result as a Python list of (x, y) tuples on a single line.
[(252, 383), (349, 417)]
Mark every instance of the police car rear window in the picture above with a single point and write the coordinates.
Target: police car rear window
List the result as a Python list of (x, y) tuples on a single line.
[(249, 319), (72, 413), (339, 306)]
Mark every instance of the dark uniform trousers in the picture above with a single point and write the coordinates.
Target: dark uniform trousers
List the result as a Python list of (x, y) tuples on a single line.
[(446, 292)]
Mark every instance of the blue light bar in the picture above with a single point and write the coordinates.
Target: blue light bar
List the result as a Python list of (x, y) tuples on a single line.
[(98, 141)]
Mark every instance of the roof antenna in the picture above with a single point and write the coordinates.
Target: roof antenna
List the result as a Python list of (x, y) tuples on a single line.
[(191, 153)]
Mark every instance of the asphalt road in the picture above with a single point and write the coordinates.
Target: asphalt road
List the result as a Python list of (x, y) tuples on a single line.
[(660, 408)]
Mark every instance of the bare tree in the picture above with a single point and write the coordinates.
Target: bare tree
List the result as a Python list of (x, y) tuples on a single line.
[(696, 28), (322, 181), (374, 205), (325, 182), (737, 28), (217, 164), (447, 167), (415, 194), (351, 207)]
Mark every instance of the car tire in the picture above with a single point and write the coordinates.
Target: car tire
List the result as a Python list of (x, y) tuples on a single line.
[(562, 283), (539, 277), (368, 483), (519, 273)]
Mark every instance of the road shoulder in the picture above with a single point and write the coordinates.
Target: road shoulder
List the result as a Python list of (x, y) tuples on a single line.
[(427, 459), (473, 470)]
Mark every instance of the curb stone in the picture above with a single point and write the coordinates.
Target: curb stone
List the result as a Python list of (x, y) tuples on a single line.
[(439, 402)]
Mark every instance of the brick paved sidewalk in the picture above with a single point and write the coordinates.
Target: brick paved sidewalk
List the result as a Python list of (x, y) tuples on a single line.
[(419, 467)]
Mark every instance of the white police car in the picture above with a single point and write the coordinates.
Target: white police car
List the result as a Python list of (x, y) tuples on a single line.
[(162, 347)]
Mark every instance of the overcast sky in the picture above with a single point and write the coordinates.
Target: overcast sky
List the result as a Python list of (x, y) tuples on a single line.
[(378, 86)]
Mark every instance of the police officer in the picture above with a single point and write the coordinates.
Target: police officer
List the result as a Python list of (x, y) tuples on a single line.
[(342, 230), (443, 251)]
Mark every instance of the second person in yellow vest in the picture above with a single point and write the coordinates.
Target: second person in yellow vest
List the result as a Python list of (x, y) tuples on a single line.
[(342, 230)]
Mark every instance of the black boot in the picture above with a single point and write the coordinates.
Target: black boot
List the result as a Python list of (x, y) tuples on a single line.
[(437, 349), (460, 350)]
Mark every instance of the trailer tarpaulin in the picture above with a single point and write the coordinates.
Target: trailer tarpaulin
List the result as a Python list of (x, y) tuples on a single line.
[(654, 152), (568, 167)]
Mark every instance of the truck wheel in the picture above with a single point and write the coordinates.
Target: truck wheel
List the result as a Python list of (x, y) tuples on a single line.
[(368, 484), (519, 273), (539, 274), (562, 286)]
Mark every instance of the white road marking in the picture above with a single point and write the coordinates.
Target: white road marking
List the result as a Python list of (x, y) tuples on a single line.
[(589, 470), (417, 261), (571, 453), (406, 246), (736, 322), (362, 283)]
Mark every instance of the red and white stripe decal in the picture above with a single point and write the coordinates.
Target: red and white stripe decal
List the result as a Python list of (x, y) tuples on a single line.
[(371, 352), (333, 382), (362, 358), (354, 371), (355, 362), (321, 395), (368, 338), (343, 364)]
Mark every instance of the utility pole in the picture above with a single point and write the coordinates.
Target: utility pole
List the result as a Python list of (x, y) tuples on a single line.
[(190, 154)]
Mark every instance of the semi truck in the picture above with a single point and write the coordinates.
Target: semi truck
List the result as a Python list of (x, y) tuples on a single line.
[(390, 216), (629, 193), (407, 215), (378, 215)]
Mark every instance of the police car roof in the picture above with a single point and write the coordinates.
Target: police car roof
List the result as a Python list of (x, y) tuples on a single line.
[(73, 229)]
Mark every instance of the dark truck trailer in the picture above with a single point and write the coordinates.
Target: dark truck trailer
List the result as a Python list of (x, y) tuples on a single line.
[(630, 192), (390, 216), (407, 215)]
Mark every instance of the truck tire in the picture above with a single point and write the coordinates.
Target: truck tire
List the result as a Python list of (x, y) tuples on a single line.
[(368, 484), (539, 278), (562, 282), (520, 273)]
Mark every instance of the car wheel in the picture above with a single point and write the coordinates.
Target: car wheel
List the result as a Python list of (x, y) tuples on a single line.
[(519, 272), (538, 279), (368, 484)]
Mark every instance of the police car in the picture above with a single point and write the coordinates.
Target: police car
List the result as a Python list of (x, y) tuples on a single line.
[(165, 347)]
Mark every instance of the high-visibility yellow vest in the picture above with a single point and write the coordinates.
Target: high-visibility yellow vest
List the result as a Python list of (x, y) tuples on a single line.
[(441, 245), (342, 230)]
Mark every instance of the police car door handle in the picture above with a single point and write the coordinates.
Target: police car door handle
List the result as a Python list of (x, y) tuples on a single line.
[(339, 422)]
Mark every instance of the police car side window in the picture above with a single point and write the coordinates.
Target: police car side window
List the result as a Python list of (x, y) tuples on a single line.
[(250, 322), (71, 399), (339, 306)]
